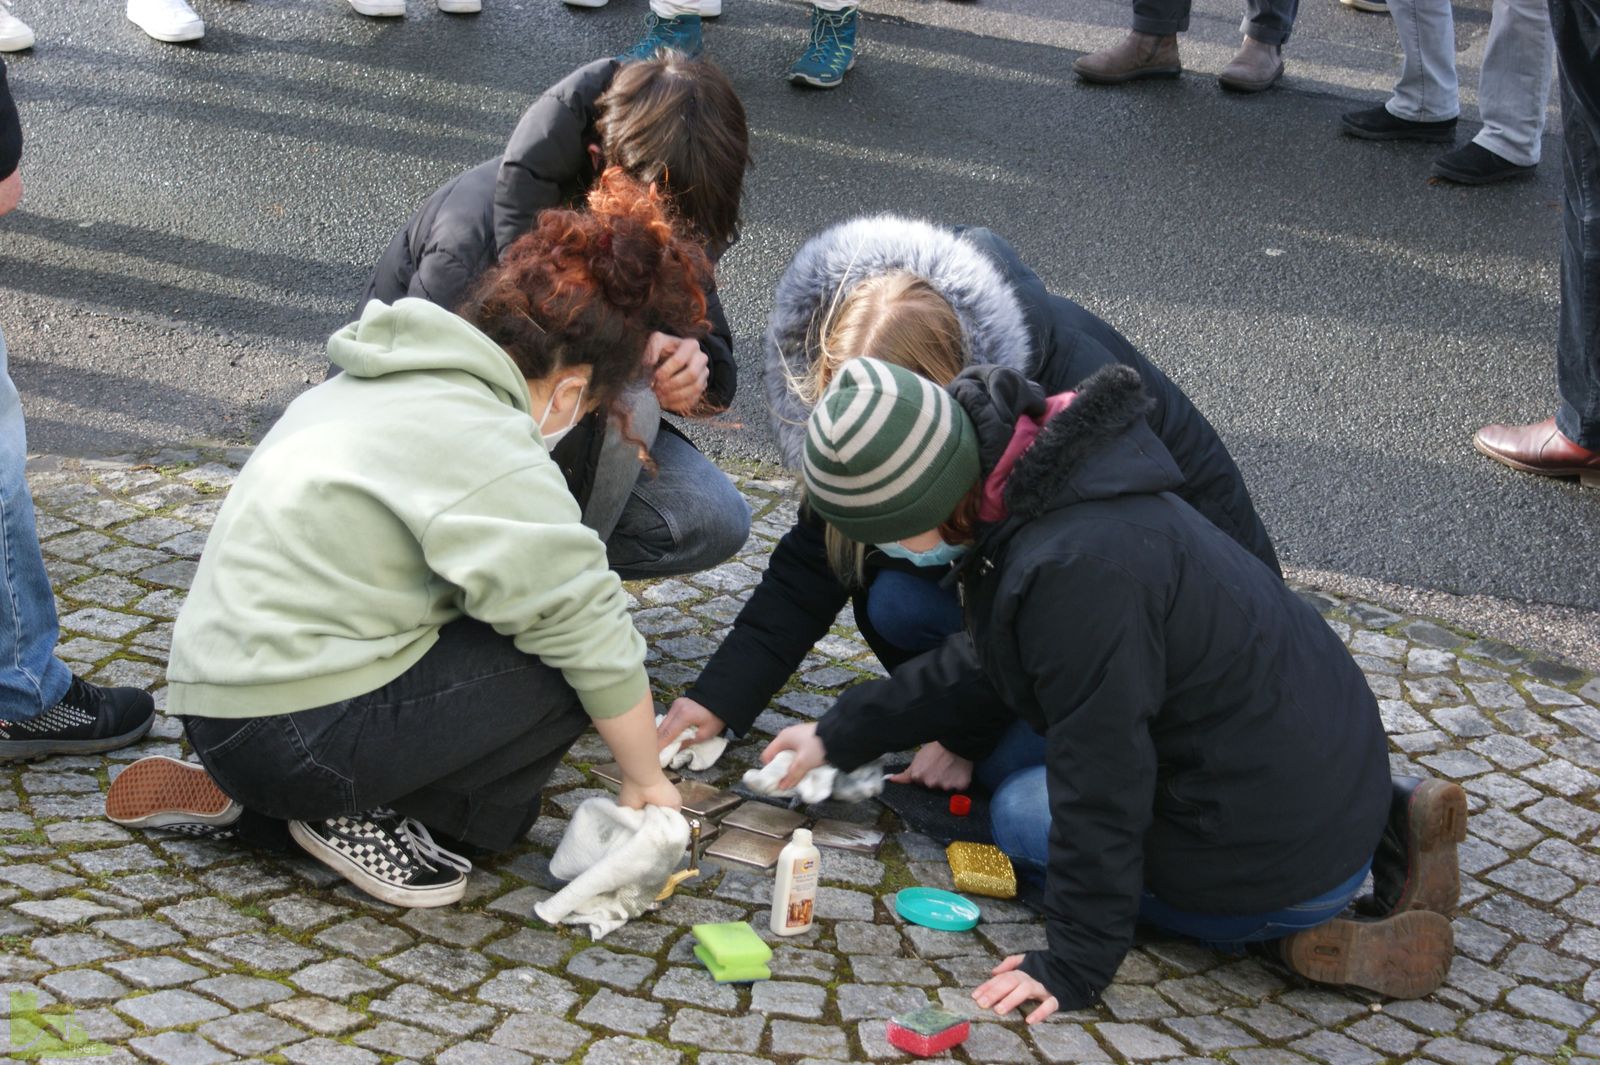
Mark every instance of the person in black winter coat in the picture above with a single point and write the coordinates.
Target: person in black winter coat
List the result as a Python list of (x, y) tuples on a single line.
[(670, 120), (1215, 761), (872, 286)]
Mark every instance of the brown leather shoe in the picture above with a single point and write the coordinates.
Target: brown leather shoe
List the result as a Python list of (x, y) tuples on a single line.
[(1404, 956), (1139, 55), (1256, 66), (1539, 448)]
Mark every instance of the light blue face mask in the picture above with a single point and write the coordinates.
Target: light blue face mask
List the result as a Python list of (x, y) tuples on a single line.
[(942, 555)]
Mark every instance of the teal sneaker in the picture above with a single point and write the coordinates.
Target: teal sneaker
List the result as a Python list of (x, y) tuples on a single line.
[(680, 34), (832, 50)]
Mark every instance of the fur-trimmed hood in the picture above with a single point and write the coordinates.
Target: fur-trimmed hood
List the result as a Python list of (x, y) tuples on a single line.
[(1100, 446), (835, 260)]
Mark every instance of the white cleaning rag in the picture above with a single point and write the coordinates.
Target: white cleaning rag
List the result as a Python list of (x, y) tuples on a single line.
[(685, 753), (617, 860), (822, 783)]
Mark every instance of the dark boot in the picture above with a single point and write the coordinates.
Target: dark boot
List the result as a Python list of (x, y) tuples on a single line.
[(1255, 67), (1415, 866), (1404, 956), (1138, 55)]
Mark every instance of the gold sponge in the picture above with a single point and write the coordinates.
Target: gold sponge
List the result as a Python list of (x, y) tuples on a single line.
[(980, 869)]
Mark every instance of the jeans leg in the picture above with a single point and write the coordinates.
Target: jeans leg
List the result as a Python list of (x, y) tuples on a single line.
[(1577, 36), (618, 467), (1514, 87), (1019, 816), (1231, 932), (1427, 90), (32, 679), (686, 518), (1160, 17), (1020, 748), (1269, 21), (912, 611)]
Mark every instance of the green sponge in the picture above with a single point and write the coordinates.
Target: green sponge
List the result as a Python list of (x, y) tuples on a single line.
[(732, 952)]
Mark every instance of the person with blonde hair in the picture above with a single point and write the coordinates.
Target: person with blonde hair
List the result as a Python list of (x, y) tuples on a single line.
[(933, 300)]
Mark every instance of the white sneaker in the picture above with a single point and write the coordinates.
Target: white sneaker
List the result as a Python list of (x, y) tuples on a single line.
[(460, 7), (15, 36), (380, 8), (585, 3), (172, 21)]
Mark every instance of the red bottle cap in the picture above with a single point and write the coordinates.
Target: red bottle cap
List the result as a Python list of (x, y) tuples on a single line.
[(960, 805)]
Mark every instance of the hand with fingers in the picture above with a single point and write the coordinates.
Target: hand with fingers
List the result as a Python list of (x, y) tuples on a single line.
[(684, 714), (809, 752), (680, 372), (1010, 987), (935, 766)]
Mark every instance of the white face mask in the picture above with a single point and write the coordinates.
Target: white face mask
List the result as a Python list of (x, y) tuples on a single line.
[(553, 436)]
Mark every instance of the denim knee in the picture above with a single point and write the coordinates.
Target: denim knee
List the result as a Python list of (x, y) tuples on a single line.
[(1019, 816), (912, 613)]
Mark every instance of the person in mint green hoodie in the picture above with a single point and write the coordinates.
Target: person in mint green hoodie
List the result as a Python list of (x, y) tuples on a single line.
[(399, 624)]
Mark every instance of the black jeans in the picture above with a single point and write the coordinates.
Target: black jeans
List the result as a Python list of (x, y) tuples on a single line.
[(463, 741), (1577, 31), (1267, 21)]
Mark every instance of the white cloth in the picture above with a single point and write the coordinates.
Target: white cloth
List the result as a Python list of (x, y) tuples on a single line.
[(617, 861), (1513, 83), (683, 753), (824, 782)]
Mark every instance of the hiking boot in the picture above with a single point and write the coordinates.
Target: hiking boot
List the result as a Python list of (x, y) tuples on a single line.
[(1415, 864), (830, 52), (15, 36), (88, 720), (1473, 164), (1138, 55), (1404, 956), (164, 793), (1255, 67), (678, 34), (1377, 124), (388, 856), (172, 21)]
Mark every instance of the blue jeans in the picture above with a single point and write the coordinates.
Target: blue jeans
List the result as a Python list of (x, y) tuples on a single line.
[(1230, 932), (32, 679), (1577, 34)]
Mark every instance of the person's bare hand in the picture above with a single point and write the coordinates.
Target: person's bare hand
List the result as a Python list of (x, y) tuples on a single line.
[(1010, 987), (10, 191), (936, 767), (683, 714), (680, 371), (809, 751), (659, 792)]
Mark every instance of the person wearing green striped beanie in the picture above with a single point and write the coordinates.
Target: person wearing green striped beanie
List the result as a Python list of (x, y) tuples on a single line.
[(889, 456)]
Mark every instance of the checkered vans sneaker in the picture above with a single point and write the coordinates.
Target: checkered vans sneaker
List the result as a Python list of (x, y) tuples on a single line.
[(388, 856), (163, 793), (88, 720)]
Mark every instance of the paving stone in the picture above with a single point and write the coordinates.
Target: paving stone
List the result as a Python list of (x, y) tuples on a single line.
[(251, 1033), (809, 1040), (530, 947), (445, 968), (1533, 880), (529, 989), (1136, 1003), (1455, 1052), (1325, 1007), (1385, 1034), (613, 1012), (1511, 1033), (73, 948), (1501, 789), (453, 927), (363, 937), (713, 1031), (625, 971), (157, 972), (871, 969), (1546, 1005), (339, 979), (320, 1015), (790, 999), (1138, 1042), (1209, 1034), (1573, 822), (623, 1050), (540, 1034), (327, 1052), (62, 913), (243, 992), (482, 1054), (208, 918), (859, 1001), (178, 1048), (170, 1009), (260, 950), (140, 933), (84, 986), (696, 988)]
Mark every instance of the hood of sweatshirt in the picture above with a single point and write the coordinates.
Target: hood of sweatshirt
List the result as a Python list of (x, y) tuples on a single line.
[(839, 258), (414, 335)]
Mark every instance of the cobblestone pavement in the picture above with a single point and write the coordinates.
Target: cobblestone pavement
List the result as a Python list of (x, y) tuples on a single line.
[(196, 952)]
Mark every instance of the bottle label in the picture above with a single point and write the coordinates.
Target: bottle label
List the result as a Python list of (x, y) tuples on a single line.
[(802, 893)]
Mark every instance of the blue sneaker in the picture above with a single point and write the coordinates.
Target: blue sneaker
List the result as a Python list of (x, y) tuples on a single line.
[(832, 50), (679, 34)]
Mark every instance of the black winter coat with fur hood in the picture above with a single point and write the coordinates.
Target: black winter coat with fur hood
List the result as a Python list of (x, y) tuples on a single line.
[(1009, 319), (1208, 738), (466, 224)]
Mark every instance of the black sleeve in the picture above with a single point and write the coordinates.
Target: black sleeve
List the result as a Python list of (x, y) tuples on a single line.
[(442, 278), (1099, 674), (547, 153), (792, 608), (940, 695), (718, 345), (10, 129)]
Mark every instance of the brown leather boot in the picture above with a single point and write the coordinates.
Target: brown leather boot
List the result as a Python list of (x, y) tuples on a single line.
[(1404, 956), (1256, 66), (1539, 448), (1139, 55)]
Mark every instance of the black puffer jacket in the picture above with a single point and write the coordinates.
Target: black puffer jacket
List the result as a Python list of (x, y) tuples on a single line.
[(10, 129), (1009, 319), (1207, 736), (468, 221)]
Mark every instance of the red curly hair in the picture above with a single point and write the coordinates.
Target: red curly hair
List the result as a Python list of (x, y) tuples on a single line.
[(587, 288)]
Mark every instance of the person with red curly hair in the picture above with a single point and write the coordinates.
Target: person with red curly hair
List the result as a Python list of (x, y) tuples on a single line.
[(399, 624)]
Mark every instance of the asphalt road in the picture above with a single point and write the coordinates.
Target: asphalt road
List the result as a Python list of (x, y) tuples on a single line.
[(199, 218)]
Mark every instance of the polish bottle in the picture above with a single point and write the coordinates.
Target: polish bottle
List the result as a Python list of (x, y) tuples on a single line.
[(794, 893)]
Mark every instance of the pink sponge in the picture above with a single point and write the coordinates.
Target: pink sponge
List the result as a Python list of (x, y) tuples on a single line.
[(928, 1031)]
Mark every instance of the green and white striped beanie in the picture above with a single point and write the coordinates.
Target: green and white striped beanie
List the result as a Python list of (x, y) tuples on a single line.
[(889, 454)]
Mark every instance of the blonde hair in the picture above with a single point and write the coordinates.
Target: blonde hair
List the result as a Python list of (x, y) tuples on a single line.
[(899, 318)]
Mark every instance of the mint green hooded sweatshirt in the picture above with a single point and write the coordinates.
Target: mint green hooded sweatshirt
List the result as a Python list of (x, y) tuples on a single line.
[(407, 492)]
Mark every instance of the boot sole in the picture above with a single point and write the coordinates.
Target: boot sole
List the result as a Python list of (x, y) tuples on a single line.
[(1441, 136), (162, 792), (1405, 956), (33, 750), (1461, 177), (1586, 478), (1152, 73), (411, 898), (1235, 85), (806, 79), (1436, 824)]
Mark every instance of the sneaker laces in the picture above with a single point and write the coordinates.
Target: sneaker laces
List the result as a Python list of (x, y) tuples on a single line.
[(824, 28), (421, 843)]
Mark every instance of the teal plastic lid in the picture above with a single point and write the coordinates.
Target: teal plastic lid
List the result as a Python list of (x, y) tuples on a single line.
[(932, 908)]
